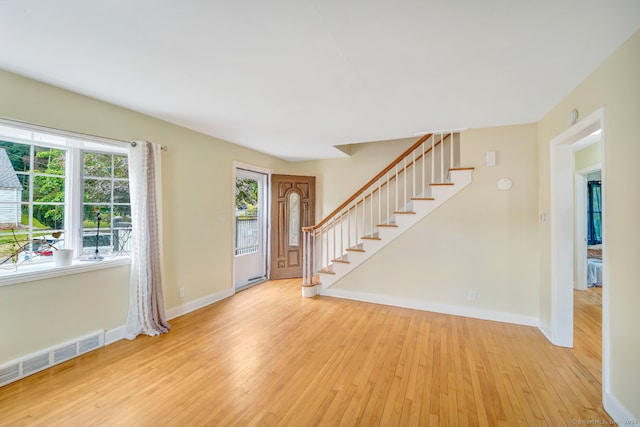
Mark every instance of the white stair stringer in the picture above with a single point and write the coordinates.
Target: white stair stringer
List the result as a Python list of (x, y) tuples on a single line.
[(440, 194)]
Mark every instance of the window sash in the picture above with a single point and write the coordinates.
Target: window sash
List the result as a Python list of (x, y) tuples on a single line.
[(31, 203), (118, 237)]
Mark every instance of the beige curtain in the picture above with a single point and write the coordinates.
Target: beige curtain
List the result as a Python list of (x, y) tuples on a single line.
[(146, 304)]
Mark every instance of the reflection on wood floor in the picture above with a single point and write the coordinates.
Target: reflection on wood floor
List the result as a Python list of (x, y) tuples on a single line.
[(267, 356)]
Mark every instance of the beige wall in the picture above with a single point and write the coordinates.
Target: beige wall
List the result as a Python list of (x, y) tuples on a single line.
[(483, 239), (588, 156), (197, 181), (614, 85), (40, 314)]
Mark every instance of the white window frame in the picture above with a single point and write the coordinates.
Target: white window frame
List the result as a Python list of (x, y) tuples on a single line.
[(111, 204), (74, 144), (32, 175)]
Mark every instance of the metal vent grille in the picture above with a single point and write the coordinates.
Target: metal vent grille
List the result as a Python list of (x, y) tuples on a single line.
[(89, 344), (9, 374), (65, 353), (20, 368), (37, 363)]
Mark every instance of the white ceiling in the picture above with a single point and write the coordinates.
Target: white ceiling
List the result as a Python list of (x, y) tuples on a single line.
[(293, 78)]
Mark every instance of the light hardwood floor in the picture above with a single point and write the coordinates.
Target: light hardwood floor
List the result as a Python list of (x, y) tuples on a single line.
[(267, 356)]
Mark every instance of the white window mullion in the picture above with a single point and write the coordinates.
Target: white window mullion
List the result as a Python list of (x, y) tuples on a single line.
[(73, 201), (32, 165), (112, 211)]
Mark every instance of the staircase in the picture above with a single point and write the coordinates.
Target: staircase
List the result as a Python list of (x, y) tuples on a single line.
[(422, 178)]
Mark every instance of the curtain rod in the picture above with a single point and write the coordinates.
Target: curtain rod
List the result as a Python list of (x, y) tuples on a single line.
[(66, 133), (162, 147)]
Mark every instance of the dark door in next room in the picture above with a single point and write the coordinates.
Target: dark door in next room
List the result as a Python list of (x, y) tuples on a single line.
[(292, 207)]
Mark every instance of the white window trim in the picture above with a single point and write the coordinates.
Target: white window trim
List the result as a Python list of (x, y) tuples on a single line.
[(73, 203), (73, 206), (47, 270), (113, 143)]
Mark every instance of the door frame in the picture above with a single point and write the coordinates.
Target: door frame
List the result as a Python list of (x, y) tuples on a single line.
[(562, 149), (267, 218)]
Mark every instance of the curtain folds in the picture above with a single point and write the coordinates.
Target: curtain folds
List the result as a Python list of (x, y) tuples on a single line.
[(146, 303), (594, 214)]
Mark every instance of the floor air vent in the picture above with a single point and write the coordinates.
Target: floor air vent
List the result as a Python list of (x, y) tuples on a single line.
[(64, 353), (88, 344), (35, 364), (9, 374), (17, 369)]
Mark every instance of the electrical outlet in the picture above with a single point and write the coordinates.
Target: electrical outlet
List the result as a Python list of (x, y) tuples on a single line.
[(181, 292), (472, 296)]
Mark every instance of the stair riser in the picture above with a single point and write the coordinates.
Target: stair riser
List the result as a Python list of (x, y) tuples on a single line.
[(387, 232), (444, 191), (357, 256), (370, 247), (461, 178)]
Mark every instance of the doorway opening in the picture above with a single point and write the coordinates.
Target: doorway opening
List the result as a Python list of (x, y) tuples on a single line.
[(251, 219), (588, 213), (565, 240)]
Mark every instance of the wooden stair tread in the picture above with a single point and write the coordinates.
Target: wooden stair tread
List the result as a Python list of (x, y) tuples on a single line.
[(342, 261), (461, 169), (435, 184), (404, 213), (323, 271), (386, 225), (355, 250), (370, 238), (422, 198), (315, 281)]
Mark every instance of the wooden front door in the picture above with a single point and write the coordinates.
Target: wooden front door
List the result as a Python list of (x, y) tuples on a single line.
[(292, 207)]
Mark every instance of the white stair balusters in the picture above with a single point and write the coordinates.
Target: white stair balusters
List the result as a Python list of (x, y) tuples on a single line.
[(343, 235)]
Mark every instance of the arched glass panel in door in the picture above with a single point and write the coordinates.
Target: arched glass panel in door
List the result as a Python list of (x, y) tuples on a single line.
[(294, 219)]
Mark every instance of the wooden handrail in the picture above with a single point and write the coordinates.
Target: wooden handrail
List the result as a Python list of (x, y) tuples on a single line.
[(375, 179)]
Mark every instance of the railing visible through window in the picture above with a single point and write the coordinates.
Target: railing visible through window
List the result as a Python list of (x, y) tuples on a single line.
[(105, 184), (247, 234), (247, 216)]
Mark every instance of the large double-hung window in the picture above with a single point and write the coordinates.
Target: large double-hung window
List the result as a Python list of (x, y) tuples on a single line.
[(61, 190)]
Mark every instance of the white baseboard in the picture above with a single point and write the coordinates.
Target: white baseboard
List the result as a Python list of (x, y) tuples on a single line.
[(496, 316), (119, 333), (545, 331), (618, 412), (116, 334), (174, 312)]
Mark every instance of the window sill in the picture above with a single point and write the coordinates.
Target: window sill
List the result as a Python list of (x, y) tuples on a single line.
[(47, 270)]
